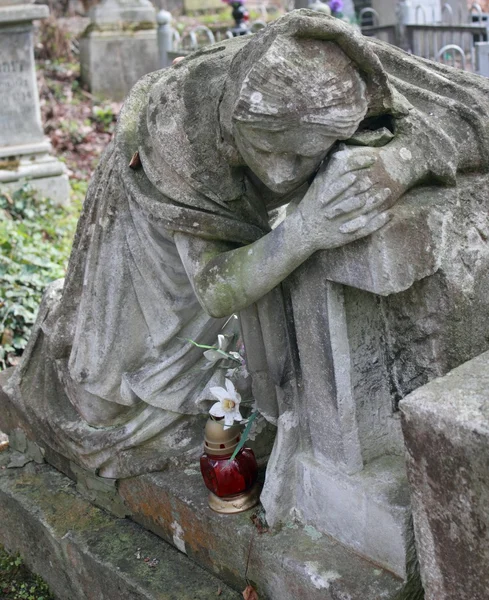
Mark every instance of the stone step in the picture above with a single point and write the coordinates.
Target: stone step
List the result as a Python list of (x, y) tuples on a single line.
[(293, 563), (83, 553)]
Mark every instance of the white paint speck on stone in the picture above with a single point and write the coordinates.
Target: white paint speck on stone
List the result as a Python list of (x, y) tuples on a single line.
[(288, 420), (405, 154), (256, 97), (178, 536), (313, 533), (191, 472), (320, 580)]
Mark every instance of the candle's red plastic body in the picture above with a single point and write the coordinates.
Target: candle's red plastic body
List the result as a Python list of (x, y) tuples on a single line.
[(228, 478)]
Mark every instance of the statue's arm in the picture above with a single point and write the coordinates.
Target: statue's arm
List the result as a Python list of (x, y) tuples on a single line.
[(227, 279)]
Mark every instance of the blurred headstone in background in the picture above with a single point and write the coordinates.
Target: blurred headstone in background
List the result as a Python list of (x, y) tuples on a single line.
[(118, 47), (24, 150), (202, 5)]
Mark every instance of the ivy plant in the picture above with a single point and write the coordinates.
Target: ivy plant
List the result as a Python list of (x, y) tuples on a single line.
[(35, 242)]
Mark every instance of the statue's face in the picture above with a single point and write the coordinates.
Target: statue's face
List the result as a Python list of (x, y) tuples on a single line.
[(283, 160)]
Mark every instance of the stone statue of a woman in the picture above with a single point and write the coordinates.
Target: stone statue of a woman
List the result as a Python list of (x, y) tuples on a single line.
[(175, 234)]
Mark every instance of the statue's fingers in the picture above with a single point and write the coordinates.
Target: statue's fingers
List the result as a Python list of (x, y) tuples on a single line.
[(361, 161), (347, 161), (357, 190), (376, 223), (377, 200), (329, 189), (350, 204), (354, 225), (365, 224)]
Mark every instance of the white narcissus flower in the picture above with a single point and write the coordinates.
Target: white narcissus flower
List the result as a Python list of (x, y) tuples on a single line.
[(228, 405)]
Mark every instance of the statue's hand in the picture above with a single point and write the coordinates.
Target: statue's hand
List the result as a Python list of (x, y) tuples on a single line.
[(349, 198)]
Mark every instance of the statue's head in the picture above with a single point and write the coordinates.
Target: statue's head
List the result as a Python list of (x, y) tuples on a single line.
[(296, 102)]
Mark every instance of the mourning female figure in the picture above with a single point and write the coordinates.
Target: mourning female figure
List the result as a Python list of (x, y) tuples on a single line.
[(176, 233)]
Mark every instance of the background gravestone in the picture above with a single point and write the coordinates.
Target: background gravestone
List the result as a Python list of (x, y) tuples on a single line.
[(24, 151), (118, 47), (201, 5)]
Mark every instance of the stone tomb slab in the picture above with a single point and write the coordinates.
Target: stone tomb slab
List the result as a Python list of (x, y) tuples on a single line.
[(294, 563), (83, 552), (20, 120), (133, 54), (446, 430)]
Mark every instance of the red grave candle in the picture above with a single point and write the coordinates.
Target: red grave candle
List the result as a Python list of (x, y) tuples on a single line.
[(231, 482)]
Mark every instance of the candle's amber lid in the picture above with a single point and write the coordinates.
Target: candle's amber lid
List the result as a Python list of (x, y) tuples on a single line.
[(219, 441)]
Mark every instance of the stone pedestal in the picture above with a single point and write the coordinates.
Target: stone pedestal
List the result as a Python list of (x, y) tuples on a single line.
[(87, 553), (446, 430), (119, 47), (90, 554), (373, 321), (24, 151)]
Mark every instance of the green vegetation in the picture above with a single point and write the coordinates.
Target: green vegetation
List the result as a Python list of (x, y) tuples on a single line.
[(35, 242), (17, 583), (105, 117)]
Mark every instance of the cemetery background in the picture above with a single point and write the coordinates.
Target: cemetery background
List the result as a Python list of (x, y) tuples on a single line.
[(79, 127), (35, 233)]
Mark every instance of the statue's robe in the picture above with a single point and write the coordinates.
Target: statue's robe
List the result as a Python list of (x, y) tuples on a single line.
[(109, 378)]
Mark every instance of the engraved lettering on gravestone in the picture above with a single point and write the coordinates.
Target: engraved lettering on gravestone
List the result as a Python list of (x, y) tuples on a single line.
[(13, 66), (19, 112)]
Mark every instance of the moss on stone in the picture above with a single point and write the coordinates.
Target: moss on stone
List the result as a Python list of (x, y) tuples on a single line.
[(9, 164), (118, 27), (66, 510)]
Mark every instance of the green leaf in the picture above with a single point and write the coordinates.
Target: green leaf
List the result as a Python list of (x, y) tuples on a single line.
[(245, 435), (35, 242), (199, 345)]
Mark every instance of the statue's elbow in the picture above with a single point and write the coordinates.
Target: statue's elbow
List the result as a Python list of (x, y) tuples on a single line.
[(214, 304), (217, 312)]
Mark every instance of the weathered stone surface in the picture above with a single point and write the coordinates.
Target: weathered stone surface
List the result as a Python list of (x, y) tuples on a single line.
[(85, 554), (368, 511), (294, 563), (122, 12), (21, 11), (446, 431), (361, 352), (20, 117), (206, 112), (89, 554), (297, 562)]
